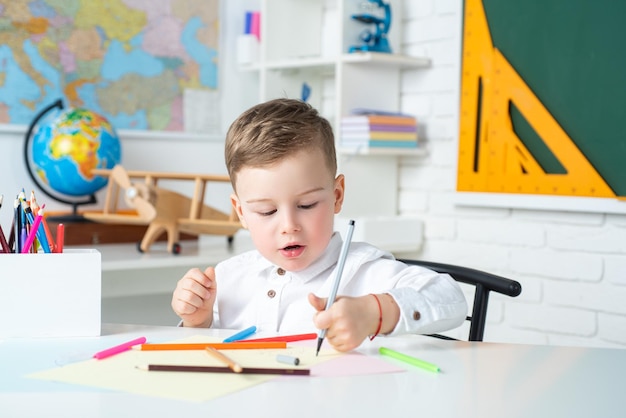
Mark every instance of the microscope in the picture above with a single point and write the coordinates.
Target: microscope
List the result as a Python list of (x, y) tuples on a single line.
[(374, 41)]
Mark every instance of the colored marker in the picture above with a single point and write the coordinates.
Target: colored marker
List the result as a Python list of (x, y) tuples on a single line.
[(12, 237), (34, 229), (413, 361), (285, 338), (240, 335), (35, 208), (118, 348), (60, 238), (281, 358), (3, 240), (210, 369), (240, 345), (232, 364), (41, 234), (17, 225), (23, 238)]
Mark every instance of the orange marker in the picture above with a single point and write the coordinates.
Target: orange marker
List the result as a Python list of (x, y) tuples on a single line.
[(217, 346)]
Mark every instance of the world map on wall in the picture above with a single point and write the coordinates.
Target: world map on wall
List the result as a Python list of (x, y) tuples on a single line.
[(132, 61)]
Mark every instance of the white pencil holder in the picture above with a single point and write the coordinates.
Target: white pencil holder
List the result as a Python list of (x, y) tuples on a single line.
[(50, 295)]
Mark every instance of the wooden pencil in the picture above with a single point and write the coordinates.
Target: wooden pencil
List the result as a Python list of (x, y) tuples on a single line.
[(232, 364), (211, 369), (240, 345)]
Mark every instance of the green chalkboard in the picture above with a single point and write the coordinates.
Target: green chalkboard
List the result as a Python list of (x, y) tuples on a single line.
[(572, 54)]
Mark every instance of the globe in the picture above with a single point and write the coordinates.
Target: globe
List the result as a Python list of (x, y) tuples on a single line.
[(67, 145)]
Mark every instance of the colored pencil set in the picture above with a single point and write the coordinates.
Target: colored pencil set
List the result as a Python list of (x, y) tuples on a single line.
[(234, 342), (29, 230)]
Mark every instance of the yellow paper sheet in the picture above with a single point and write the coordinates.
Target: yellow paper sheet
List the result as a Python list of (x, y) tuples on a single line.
[(120, 373)]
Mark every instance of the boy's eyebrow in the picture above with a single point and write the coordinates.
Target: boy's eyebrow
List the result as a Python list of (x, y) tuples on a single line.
[(317, 189)]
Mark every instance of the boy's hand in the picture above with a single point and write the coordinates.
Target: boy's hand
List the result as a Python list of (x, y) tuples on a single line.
[(194, 297), (347, 322)]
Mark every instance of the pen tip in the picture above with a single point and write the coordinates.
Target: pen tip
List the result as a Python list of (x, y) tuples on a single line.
[(319, 345)]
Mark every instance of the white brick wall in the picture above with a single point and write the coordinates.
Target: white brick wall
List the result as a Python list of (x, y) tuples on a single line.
[(572, 266)]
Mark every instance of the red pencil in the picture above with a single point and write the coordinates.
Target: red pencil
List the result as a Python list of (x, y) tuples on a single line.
[(284, 338), (60, 238), (3, 242)]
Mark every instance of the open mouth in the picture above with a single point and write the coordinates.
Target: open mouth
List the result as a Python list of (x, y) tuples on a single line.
[(292, 247)]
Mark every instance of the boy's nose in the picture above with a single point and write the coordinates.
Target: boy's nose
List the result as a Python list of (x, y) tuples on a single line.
[(289, 222)]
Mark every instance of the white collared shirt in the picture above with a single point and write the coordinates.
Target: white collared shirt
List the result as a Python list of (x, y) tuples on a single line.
[(252, 291)]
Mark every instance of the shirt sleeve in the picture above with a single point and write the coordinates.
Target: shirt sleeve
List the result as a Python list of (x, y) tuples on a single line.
[(436, 306), (429, 302)]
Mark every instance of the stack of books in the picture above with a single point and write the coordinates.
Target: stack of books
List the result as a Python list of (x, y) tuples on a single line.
[(378, 131)]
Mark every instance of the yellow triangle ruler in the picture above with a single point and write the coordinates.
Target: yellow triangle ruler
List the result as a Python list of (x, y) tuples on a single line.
[(492, 158)]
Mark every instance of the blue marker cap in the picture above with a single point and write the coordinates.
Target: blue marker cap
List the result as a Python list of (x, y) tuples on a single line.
[(282, 358)]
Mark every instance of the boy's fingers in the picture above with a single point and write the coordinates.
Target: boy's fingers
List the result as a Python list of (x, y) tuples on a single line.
[(199, 289), (322, 320), (210, 273), (318, 303)]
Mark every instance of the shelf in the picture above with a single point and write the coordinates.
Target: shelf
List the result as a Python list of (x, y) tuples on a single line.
[(373, 58), (392, 60), (306, 62), (400, 152)]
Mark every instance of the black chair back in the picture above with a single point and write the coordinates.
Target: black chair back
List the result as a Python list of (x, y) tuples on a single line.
[(483, 283)]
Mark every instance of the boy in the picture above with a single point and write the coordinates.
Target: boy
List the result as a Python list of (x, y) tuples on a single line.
[(282, 164)]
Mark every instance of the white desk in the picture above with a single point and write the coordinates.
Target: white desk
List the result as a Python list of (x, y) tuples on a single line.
[(477, 380)]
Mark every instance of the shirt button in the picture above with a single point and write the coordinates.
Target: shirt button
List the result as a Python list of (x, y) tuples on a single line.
[(280, 272), (271, 293), (416, 315)]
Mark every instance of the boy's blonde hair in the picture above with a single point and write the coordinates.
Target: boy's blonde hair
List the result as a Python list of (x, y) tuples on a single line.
[(271, 131)]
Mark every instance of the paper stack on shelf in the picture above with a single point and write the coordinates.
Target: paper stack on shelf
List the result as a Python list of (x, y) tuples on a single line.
[(378, 131)]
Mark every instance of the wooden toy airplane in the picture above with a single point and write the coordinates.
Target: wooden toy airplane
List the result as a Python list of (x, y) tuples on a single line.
[(162, 209)]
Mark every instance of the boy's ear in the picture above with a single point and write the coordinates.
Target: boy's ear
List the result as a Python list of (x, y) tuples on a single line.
[(234, 200), (340, 186)]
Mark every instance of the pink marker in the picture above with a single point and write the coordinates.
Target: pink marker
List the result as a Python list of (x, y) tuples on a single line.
[(118, 348)]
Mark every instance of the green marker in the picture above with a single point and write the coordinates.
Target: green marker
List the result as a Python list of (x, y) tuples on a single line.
[(408, 359)]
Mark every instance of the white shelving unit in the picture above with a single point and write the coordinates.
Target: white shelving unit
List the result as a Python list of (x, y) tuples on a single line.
[(307, 41)]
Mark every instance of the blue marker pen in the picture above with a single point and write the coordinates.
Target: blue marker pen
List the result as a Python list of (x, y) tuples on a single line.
[(241, 335)]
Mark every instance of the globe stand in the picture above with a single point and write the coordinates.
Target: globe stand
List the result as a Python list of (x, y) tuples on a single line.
[(73, 217)]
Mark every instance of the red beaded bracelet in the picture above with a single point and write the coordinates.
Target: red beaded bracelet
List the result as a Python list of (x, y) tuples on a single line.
[(380, 317)]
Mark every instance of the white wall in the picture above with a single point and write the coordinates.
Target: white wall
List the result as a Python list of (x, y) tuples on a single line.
[(572, 265)]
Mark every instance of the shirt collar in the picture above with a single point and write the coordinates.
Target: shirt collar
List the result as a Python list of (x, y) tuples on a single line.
[(326, 261)]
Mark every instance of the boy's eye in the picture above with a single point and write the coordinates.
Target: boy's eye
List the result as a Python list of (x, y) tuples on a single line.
[(268, 213), (311, 206)]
